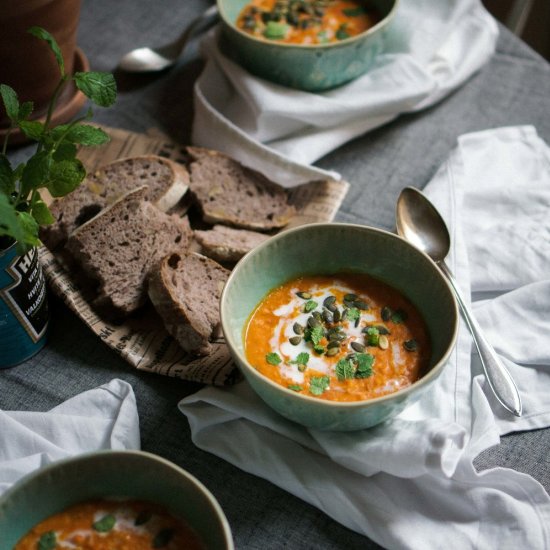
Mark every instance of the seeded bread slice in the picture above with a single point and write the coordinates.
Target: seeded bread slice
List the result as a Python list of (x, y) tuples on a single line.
[(185, 290), (119, 246), (229, 193), (167, 182), (227, 244)]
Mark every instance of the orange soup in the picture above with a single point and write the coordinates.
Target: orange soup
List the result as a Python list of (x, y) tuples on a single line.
[(346, 337), (307, 21), (111, 525)]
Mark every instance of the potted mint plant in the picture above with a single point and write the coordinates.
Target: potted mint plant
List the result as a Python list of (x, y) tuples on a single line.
[(55, 168)]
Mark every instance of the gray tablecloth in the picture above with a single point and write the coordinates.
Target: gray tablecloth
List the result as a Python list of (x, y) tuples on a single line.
[(514, 88)]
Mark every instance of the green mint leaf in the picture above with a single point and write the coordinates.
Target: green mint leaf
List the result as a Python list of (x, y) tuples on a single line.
[(318, 384), (344, 369), (20, 226), (106, 523), (36, 172), (25, 109), (310, 305), (273, 358), (43, 34), (275, 30), (65, 176), (163, 537), (65, 151), (85, 134), (7, 178), (99, 87), (399, 316), (295, 387), (354, 12), (32, 129), (11, 103), (364, 362), (47, 541), (314, 335), (41, 213), (301, 359), (353, 314)]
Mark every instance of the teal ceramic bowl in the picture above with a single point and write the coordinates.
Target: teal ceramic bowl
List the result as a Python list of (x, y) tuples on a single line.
[(310, 67), (329, 248), (132, 474)]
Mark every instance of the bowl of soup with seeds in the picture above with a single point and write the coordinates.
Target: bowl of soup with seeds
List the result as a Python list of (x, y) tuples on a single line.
[(338, 326), (311, 45), (112, 500)]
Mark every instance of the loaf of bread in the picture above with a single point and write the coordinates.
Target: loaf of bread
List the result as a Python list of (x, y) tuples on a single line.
[(185, 290), (227, 244), (229, 193), (118, 247), (167, 182)]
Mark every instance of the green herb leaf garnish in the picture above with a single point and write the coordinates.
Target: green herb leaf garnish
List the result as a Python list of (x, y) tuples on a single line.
[(319, 349), (275, 30), (398, 316), (314, 335), (342, 33), (295, 387), (318, 384), (301, 359), (106, 523), (344, 369), (273, 358), (364, 362), (310, 305), (47, 541), (373, 336), (353, 314)]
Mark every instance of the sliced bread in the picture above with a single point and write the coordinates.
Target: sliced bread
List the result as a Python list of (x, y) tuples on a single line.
[(118, 247), (185, 290), (167, 182), (229, 193), (227, 244)]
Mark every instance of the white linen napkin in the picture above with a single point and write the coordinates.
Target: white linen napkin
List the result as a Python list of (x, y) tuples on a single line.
[(411, 483), (102, 418), (432, 48)]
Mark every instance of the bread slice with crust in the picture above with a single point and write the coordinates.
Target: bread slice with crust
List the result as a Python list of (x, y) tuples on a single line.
[(227, 244), (185, 290), (167, 182), (229, 193), (118, 247)]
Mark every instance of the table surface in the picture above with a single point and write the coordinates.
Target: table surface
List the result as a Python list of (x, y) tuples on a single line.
[(512, 89)]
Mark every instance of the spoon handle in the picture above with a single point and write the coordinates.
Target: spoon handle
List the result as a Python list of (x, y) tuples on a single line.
[(498, 377)]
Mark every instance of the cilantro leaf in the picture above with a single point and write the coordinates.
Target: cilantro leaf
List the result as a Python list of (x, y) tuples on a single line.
[(310, 305), (295, 387), (273, 358), (344, 369), (364, 363), (353, 314), (373, 336), (106, 523), (318, 384)]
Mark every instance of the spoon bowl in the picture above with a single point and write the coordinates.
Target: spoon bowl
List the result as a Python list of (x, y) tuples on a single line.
[(419, 222), (147, 59)]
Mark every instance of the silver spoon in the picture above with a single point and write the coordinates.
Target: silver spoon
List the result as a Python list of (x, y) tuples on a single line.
[(420, 223), (143, 60)]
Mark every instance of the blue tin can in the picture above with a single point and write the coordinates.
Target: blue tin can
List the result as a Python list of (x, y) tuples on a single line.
[(24, 314)]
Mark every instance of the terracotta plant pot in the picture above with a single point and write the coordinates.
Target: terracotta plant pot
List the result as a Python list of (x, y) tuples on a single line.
[(28, 65)]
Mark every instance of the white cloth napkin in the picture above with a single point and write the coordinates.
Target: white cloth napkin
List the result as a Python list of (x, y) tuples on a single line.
[(103, 418), (432, 48), (411, 483)]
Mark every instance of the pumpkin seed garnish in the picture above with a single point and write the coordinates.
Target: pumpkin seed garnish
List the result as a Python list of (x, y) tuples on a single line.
[(357, 346), (328, 317), (317, 315), (336, 315), (350, 297), (295, 340), (163, 537), (143, 517), (329, 301), (386, 313), (410, 345), (312, 322), (360, 304), (304, 295), (382, 329), (383, 342), (298, 329), (332, 351), (333, 344)]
